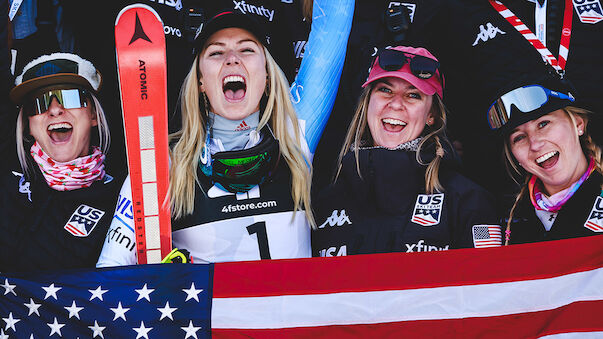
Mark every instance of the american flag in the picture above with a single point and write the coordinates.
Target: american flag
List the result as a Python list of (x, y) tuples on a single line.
[(150, 301), (544, 289), (487, 236)]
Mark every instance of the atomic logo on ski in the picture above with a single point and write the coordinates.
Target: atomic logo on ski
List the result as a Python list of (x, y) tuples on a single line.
[(139, 32)]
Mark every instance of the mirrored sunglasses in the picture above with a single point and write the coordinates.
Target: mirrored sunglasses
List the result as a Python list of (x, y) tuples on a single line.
[(525, 99), (421, 66), (39, 102)]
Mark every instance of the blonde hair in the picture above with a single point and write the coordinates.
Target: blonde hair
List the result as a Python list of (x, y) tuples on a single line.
[(278, 113), (360, 134), (589, 147), (23, 137)]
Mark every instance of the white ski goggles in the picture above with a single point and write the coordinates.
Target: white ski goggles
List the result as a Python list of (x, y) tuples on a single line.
[(39, 102), (525, 99)]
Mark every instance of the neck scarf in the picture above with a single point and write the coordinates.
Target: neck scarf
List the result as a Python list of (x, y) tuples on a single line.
[(71, 175), (554, 203), (234, 134)]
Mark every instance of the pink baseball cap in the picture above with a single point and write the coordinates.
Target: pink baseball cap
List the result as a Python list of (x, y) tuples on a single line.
[(428, 86)]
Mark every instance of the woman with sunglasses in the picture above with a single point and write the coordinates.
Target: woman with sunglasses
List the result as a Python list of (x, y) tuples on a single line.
[(56, 198), (547, 147), (397, 189), (240, 165)]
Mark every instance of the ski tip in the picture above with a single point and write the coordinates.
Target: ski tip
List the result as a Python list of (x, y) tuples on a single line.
[(141, 6)]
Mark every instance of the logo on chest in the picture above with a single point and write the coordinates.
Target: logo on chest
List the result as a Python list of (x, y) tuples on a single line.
[(589, 11), (428, 209), (83, 221), (595, 218)]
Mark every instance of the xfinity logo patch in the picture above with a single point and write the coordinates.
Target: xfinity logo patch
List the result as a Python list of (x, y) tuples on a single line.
[(487, 33), (595, 218), (83, 221), (428, 209), (421, 246), (247, 8)]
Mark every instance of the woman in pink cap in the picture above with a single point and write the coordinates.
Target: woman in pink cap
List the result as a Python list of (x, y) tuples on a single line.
[(397, 188)]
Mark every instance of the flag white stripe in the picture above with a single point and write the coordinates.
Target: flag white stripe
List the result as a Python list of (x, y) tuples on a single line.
[(453, 302)]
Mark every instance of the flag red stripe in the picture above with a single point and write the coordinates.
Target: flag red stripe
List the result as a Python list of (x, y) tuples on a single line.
[(378, 272), (576, 317)]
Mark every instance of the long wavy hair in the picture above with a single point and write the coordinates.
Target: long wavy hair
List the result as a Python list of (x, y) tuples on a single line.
[(278, 112), (360, 134), (520, 175), (102, 137)]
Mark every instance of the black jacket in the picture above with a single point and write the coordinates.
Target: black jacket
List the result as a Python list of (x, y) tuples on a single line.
[(584, 208), (387, 209), (44, 229)]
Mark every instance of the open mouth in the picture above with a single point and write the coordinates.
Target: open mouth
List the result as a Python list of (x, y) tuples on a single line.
[(548, 160), (60, 132), (234, 88), (393, 125)]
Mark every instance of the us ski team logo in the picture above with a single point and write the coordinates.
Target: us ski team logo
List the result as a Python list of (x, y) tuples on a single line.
[(589, 11), (595, 218), (83, 221), (428, 209)]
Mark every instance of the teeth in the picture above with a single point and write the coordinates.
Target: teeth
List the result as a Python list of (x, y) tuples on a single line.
[(233, 78), (394, 122), (545, 157), (59, 125)]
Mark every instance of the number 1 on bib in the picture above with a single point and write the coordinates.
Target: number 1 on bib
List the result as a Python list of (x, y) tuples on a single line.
[(141, 61)]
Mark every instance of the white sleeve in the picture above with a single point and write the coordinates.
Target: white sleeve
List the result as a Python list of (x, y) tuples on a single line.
[(120, 243)]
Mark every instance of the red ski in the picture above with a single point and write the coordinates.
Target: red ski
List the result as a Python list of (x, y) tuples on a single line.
[(141, 61)]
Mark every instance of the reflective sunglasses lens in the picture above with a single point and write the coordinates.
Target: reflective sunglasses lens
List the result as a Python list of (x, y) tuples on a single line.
[(525, 99), (68, 98), (423, 67), (391, 60)]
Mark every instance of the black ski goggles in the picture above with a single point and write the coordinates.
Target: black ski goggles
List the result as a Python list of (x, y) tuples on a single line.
[(525, 99), (39, 102), (239, 171), (421, 66)]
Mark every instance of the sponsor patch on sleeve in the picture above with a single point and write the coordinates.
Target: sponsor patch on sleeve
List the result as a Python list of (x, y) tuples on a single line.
[(595, 218), (428, 209), (83, 221)]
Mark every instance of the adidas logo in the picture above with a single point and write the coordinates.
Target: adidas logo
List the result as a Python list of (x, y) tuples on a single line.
[(242, 126), (487, 33)]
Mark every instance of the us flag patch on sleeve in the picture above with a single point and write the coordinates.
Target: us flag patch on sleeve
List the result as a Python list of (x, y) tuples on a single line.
[(486, 236)]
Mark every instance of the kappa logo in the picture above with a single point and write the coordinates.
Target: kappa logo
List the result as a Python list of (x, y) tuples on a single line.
[(247, 8), (487, 33), (428, 209), (595, 218), (23, 185), (336, 219), (83, 221), (589, 11)]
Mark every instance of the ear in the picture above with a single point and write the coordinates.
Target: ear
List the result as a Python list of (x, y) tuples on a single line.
[(93, 119), (430, 119), (580, 124), (201, 87)]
